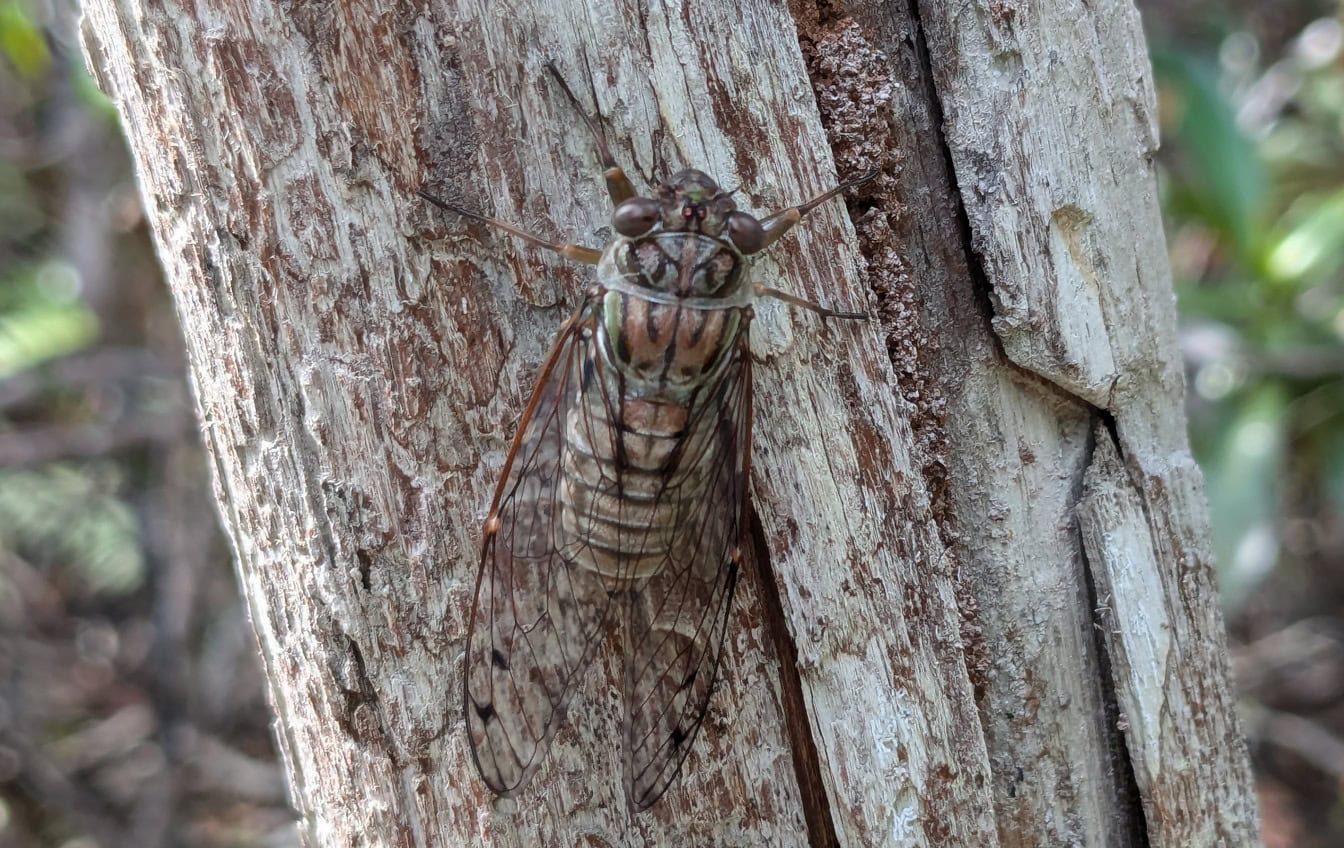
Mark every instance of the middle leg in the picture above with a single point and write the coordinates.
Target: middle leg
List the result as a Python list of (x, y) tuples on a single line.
[(618, 184), (577, 252)]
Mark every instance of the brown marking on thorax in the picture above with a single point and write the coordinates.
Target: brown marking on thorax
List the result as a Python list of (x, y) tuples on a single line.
[(668, 344)]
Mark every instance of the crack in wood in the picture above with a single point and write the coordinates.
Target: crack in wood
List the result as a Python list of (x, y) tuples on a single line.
[(1117, 745), (1105, 419), (798, 729)]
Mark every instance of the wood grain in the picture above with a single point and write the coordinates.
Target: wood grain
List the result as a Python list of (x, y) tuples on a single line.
[(926, 635)]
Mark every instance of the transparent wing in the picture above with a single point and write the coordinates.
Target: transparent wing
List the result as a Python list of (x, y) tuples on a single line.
[(675, 624), (537, 615)]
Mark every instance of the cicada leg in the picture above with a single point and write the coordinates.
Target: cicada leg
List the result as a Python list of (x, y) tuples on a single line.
[(618, 184), (781, 222), (577, 252), (766, 291), (784, 220)]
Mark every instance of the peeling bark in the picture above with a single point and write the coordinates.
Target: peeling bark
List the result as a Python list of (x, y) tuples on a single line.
[(919, 665)]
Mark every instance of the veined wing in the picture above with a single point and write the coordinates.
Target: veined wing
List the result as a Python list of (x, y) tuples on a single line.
[(675, 624), (537, 616)]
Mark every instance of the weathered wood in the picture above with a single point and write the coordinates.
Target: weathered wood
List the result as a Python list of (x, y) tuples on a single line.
[(1161, 703), (1050, 124), (1003, 452), (359, 360), (355, 386)]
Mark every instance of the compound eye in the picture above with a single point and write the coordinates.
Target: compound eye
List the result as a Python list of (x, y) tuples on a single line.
[(635, 217), (745, 232)]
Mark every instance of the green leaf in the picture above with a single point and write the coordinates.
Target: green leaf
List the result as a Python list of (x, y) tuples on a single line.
[(62, 516), (1242, 475), (21, 41), (42, 316), (1315, 245), (1223, 177)]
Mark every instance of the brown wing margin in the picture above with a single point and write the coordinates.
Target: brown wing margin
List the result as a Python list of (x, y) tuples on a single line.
[(677, 623), (536, 618)]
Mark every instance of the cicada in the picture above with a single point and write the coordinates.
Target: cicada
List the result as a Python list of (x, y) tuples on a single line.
[(623, 500)]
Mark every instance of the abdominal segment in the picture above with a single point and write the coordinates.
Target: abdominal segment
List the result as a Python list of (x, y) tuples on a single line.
[(634, 470)]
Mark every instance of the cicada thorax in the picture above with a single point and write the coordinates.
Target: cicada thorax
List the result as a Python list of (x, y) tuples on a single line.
[(669, 321), (672, 308)]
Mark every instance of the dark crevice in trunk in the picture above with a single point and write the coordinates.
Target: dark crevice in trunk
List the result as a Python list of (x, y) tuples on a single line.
[(797, 725), (1107, 419), (1129, 807), (979, 280), (980, 284)]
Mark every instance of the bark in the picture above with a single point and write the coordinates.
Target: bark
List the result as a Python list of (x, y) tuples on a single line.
[(986, 613)]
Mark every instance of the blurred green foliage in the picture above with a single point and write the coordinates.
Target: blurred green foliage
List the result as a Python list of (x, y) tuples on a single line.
[(1254, 195), (69, 514), (65, 517), (1223, 182), (22, 41), (119, 618), (42, 316)]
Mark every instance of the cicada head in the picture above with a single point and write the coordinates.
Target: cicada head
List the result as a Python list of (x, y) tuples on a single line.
[(691, 202)]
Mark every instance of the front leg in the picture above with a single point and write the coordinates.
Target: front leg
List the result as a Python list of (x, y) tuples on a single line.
[(782, 221), (793, 300), (618, 184)]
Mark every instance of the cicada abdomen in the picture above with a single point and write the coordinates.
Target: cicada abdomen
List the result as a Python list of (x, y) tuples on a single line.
[(623, 499)]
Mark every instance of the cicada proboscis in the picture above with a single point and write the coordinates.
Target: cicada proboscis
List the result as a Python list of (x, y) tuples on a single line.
[(624, 496)]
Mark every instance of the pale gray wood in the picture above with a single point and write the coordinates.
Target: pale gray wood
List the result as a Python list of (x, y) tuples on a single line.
[(1050, 124), (1160, 700), (359, 362), (1006, 451)]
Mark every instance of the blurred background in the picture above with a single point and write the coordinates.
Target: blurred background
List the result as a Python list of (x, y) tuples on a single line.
[(132, 710)]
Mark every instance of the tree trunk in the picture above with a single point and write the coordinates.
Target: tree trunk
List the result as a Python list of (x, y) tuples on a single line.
[(985, 612)]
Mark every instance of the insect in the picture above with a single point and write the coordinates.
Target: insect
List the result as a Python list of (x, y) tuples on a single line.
[(623, 499)]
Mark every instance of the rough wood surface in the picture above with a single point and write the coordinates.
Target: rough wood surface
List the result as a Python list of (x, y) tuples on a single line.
[(1003, 452), (359, 362), (1162, 704), (1050, 125)]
